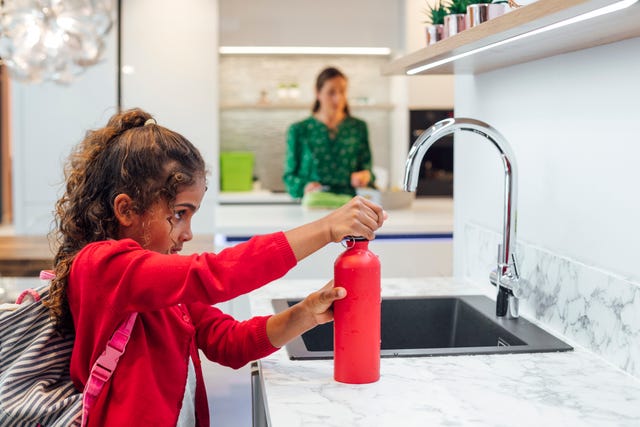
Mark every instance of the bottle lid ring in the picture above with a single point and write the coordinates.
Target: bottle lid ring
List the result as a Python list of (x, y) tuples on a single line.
[(349, 241)]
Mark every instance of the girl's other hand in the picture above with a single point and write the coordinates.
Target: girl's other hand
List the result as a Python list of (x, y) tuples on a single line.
[(359, 217), (314, 310), (319, 304)]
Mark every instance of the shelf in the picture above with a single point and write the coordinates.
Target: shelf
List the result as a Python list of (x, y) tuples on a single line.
[(601, 30), (304, 50), (298, 106)]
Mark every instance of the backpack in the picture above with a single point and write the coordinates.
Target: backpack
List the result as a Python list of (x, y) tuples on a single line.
[(35, 385)]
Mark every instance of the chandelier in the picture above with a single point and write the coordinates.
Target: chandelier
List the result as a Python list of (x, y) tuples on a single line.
[(52, 40)]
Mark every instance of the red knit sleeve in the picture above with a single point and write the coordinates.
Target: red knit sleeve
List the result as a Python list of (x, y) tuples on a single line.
[(126, 277), (228, 341)]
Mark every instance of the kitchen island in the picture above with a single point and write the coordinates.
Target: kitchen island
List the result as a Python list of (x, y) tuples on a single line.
[(426, 216), (574, 388), (426, 228)]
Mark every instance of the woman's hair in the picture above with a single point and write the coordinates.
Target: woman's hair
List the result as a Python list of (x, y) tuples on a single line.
[(131, 155), (328, 74)]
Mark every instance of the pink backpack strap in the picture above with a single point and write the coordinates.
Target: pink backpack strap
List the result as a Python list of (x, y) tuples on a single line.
[(28, 292), (44, 275), (105, 365), (108, 360), (47, 274)]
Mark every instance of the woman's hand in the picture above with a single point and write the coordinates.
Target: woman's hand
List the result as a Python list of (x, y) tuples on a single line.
[(360, 178), (314, 310), (312, 186)]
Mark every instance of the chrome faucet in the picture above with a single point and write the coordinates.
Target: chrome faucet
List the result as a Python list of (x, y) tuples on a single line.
[(505, 276)]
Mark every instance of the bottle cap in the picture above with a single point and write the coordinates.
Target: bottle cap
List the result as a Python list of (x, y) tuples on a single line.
[(349, 241)]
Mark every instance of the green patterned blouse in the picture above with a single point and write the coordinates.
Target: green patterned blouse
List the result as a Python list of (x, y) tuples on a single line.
[(314, 153)]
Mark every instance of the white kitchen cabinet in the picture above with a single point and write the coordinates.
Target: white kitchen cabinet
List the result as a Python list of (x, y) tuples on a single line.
[(429, 256)]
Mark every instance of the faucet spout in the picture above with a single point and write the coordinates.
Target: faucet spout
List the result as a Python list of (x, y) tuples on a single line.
[(506, 276)]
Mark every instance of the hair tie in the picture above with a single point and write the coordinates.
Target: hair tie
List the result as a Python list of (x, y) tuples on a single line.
[(151, 121)]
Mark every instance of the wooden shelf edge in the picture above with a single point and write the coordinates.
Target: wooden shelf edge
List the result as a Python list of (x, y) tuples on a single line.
[(534, 16)]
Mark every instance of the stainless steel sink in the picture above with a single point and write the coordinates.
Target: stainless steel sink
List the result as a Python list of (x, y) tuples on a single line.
[(435, 326)]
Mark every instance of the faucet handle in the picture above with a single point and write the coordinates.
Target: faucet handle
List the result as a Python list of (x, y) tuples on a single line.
[(514, 265), (509, 278)]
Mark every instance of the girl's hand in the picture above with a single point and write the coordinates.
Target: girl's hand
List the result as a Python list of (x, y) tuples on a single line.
[(359, 217), (319, 304), (360, 178), (314, 310)]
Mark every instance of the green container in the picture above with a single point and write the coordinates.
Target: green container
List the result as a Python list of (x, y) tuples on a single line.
[(236, 171)]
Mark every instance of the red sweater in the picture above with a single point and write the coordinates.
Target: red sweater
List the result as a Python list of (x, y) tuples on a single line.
[(173, 295)]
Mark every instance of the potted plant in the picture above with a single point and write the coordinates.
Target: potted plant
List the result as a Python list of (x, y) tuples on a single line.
[(498, 7), (479, 11), (454, 21), (435, 21)]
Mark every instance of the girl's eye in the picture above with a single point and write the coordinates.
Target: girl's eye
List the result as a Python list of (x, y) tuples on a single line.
[(178, 215)]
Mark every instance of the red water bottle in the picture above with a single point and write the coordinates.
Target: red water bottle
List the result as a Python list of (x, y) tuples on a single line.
[(356, 325)]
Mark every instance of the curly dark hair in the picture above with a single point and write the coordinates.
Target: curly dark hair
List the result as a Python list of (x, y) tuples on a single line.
[(131, 155)]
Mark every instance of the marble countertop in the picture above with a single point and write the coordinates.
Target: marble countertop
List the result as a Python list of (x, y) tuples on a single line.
[(426, 216), (574, 388)]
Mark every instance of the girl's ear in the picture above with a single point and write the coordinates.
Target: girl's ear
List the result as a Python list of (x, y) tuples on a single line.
[(123, 210)]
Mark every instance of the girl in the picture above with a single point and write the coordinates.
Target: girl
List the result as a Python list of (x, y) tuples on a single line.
[(132, 188)]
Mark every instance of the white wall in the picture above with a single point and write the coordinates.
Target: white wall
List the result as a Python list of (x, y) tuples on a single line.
[(175, 64), (47, 119), (415, 92), (175, 61), (572, 122), (424, 92), (362, 23), (175, 77)]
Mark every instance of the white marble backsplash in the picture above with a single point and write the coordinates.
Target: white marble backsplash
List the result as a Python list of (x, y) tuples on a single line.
[(594, 308)]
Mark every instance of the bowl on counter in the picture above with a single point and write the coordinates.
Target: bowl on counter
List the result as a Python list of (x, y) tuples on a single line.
[(388, 199)]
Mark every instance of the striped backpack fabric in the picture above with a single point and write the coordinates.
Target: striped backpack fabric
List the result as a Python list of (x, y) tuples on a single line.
[(35, 386)]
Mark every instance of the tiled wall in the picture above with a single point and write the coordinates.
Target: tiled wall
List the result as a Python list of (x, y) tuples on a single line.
[(594, 308), (245, 79)]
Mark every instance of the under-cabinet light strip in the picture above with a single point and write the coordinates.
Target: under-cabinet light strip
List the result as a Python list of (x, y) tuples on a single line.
[(303, 50), (585, 16)]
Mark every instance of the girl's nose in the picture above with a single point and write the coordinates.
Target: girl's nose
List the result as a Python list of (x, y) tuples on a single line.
[(186, 235)]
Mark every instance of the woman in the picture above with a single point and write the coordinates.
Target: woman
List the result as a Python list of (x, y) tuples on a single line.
[(329, 150)]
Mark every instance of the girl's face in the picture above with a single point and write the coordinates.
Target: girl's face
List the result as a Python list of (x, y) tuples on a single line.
[(164, 229), (333, 95)]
